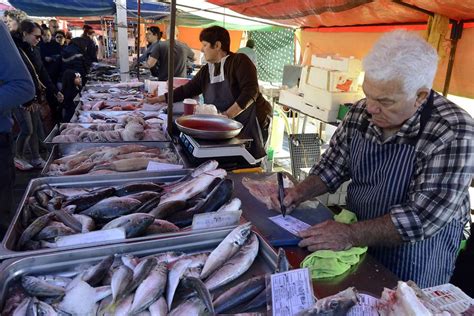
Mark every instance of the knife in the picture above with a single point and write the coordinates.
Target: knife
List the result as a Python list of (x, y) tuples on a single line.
[(281, 193)]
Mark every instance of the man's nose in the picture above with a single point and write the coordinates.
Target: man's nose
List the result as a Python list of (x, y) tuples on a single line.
[(372, 107)]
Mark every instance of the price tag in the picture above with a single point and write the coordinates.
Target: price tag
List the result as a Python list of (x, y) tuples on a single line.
[(367, 306), (292, 292), (160, 166), (216, 219), (290, 223)]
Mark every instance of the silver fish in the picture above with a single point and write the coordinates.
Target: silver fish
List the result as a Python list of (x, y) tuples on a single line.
[(102, 292), (134, 224), (34, 228), (130, 261), (174, 276), (168, 257), (338, 304), (233, 205), (55, 280), (120, 281), (96, 273), (191, 307), (141, 271), (239, 294), (226, 249), (282, 262), (53, 230), (150, 289), (37, 287), (202, 292), (45, 309), (123, 307), (68, 220), (160, 226), (236, 266), (111, 208), (159, 307), (204, 167), (21, 309)]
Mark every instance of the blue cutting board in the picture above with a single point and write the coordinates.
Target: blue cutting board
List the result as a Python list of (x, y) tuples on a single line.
[(256, 212)]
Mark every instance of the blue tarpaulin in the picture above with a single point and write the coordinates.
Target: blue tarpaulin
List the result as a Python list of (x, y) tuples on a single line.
[(80, 8)]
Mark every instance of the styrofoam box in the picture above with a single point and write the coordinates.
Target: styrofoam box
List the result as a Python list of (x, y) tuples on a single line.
[(304, 79), (291, 99), (347, 64), (329, 100), (331, 80)]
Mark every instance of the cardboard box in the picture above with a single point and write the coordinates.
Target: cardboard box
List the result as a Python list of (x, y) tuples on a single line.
[(329, 100), (333, 81), (291, 99), (346, 64)]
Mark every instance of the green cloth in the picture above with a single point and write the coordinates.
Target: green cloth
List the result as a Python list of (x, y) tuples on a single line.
[(328, 263)]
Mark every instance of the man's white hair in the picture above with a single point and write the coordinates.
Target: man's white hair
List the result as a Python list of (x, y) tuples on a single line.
[(404, 56)]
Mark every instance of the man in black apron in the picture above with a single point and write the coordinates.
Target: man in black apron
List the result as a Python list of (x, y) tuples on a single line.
[(229, 81), (409, 154)]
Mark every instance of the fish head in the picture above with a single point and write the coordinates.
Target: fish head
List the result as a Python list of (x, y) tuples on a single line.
[(242, 233)]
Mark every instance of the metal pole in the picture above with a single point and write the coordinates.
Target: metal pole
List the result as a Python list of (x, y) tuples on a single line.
[(171, 66), (122, 39), (456, 33), (138, 42)]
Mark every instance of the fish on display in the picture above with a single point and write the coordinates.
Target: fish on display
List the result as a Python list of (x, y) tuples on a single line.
[(111, 208), (150, 289), (38, 287), (134, 224), (334, 305)]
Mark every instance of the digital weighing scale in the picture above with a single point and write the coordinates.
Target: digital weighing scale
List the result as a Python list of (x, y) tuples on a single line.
[(230, 153)]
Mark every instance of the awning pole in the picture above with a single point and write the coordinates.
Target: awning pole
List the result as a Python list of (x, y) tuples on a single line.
[(171, 66), (122, 39), (138, 42), (456, 33)]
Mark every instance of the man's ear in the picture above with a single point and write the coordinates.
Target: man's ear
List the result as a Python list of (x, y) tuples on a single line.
[(218, 44), (421, 96)]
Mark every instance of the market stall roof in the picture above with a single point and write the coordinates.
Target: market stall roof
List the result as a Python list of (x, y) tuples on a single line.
[(81, 8), (319, 13)]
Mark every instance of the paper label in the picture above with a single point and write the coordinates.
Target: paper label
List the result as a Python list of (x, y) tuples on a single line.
[(290, 223), (160, 166), (292, 292), (216, 219), (367, 306)]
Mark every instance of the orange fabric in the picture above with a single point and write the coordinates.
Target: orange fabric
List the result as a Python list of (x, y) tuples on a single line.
[(462, 78), (348, 12)]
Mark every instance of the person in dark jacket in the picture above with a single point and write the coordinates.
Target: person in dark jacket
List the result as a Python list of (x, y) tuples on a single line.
[(28, 116), (73, 57), (91, 51), (51, 57), (70, 88)]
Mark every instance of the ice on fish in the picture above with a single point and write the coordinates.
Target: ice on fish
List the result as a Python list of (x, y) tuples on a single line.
[(79, 300)]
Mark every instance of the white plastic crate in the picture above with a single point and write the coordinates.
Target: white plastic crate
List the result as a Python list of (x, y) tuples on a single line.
[(448, 297)]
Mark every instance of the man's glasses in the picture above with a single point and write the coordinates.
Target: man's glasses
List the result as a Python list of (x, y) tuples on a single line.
[(59, 37)]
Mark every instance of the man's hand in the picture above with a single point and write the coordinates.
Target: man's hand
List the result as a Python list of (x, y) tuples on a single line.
[(60, 97), (158, 99), (291, 201), (330, 235)]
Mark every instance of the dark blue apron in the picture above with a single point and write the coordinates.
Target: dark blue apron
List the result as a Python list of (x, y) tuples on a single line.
[(381, 176), (220, 94)]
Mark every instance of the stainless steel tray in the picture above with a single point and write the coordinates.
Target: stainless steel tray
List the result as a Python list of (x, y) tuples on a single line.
[(12, 269), (15, 229), (64, 149), (55, 131), (112, 114)]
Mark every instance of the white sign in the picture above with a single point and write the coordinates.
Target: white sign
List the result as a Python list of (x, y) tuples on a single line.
[(292, 292), (216, 219), (290, 223), (161, 166)]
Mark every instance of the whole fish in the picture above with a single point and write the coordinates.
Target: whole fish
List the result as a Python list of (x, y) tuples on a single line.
[(193, 186), (45, 309), (68, 220), (168, 257), (111, 208), (55, 280), (236, 266), (34, 228), (130, 261), (87, 223), (96, 273), (141, 271), (134, 224), (102, 292), (174, 277), (226, 249), (53, 230), (85, 201), (257, 302), (32, 308), (164, 210), (121, 279), (201, 290), (233, 205), (149, 205), (159, 307), (37, 209), (124, 306), (38, 287), (160, 226), (191, 307), (202, 168), (144, 196), (136, 187), (338, 304), (239, 294), (150, 289)]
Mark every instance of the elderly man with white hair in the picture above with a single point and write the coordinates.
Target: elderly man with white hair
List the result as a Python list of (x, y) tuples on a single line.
[(409, 153)]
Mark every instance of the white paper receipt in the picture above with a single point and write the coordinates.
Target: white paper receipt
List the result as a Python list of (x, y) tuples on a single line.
[(216, 219), (292, 292), (160, 166), (290, 223)]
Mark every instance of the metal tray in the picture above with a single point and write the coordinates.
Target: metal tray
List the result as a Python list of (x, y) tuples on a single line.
[(55, 131), (15, 229), (12, 269), (64, 149), (112, 114)]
